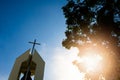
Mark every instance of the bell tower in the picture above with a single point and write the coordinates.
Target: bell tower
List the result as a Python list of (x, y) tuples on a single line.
[(29, 64)]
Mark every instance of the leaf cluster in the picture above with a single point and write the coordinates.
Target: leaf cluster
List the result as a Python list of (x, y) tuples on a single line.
[(88, 18), (94, 22)]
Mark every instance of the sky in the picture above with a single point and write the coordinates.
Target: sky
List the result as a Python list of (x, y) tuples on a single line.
[(22, 21)]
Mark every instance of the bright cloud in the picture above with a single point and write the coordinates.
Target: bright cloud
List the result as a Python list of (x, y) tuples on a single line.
[(62, 67)]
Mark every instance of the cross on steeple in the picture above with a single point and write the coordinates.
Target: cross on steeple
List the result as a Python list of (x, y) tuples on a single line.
[(34, 43), (30, 58), (30, 64)]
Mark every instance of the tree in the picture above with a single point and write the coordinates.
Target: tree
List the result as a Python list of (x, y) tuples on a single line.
[(95, 24)]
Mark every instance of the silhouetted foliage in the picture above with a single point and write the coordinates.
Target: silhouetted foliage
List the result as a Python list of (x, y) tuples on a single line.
[(94, 22)]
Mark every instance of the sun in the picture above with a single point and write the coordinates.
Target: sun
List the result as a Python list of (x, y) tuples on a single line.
[(92, 63), (78, 67), (95, 61)]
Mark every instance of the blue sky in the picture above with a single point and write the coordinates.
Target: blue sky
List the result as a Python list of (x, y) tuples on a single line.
[(22, 21)]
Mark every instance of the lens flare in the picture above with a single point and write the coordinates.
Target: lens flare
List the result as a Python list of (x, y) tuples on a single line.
[(96, 60), (92, 62)]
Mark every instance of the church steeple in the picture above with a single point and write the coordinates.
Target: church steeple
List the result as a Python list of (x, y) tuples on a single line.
[(28, 62)]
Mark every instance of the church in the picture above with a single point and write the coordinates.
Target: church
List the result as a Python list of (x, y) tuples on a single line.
[(29, 64)]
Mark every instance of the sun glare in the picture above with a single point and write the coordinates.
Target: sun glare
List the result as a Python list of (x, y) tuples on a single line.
[(86, 67), (92, 62)]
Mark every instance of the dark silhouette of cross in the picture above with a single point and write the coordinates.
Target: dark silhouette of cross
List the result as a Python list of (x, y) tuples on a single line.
[(34, 43), (30, 58)]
